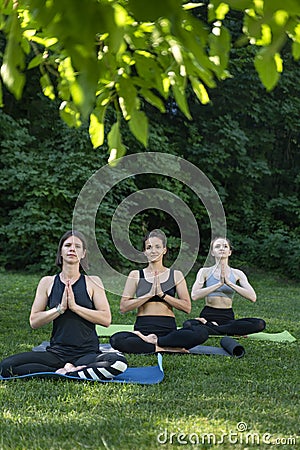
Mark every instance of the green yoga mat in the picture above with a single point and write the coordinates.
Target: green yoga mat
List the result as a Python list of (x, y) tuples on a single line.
[(112, 329), (283, 336)]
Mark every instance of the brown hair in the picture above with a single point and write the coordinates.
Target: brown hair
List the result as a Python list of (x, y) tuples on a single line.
[(220, 237), (84, 261), (155, 233)]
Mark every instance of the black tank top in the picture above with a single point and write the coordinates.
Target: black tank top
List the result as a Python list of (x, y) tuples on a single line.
[(71, 334), (144, 286)]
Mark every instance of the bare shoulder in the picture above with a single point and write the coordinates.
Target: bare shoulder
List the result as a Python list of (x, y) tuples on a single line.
[(239, 274), (204, 272), (132, 280), (46, 282), (45, 285), (178, 276), (135, 274), (93, 280)]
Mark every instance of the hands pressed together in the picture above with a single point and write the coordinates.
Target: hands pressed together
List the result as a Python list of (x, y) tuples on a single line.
[(156, 287), (68, 299), (223, 276)]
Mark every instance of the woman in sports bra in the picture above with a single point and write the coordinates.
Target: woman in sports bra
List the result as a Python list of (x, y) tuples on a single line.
[(74, 303), (218, 284), (155, 292)]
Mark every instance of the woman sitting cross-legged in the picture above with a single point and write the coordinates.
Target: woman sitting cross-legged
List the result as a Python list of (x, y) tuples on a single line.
[(74, 303), (218, 284), (155, 291)]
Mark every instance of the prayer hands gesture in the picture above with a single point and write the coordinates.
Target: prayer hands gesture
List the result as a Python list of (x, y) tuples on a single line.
[(68, 299), (224, 276), (157, 290)]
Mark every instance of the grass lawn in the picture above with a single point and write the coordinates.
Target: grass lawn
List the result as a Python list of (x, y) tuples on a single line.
[(219, 402)]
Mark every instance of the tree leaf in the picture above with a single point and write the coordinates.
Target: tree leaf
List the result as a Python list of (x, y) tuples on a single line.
[(138, 125), (266, 67), (221, 11), (127, 96), (181, 101), (14, 60), (296, 50), (151, 11), (219, 41), (47, 86), (200, 90), (96, 128), (238, 5), (115, 145), (291, 6), (84, 89), (70, 114), (153, 99), (188, 6), (36, 61), (149, 70)]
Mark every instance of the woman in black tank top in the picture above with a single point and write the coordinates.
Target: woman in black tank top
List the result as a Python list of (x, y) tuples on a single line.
[(74, 303), (155, 291)]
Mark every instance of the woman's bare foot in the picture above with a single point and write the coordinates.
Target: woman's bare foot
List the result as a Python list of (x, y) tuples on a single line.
[(150, 338), (201, 319), (68, 367), (61, 371), (74, 369)]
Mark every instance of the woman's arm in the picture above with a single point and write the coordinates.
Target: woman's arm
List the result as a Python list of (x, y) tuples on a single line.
[(101, 315), (244, 288), (183, 302), (128, 301), (198, 291), (39, 316)]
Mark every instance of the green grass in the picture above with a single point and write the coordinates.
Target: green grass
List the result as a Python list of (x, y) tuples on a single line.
[(199, 395)]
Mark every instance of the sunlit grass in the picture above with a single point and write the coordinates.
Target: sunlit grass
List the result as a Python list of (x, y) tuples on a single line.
[(203, 399)]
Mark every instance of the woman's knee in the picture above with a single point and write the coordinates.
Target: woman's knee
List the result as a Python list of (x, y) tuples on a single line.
[(190, 323), (6, 366), (118, 340), (3, 369)]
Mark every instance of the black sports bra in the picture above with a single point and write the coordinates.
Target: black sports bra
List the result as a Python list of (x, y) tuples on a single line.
[(144, 286)]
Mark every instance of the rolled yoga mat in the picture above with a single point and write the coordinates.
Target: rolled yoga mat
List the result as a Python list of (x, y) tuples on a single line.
[(229, 347)]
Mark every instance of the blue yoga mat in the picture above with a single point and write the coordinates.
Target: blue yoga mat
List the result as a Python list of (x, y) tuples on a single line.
[(138, 375)]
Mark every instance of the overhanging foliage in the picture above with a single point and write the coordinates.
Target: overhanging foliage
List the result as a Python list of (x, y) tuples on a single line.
[(98, 53)]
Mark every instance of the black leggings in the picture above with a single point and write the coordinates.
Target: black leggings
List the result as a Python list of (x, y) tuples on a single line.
[(102, 365), (227, 324), (165, 329)]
